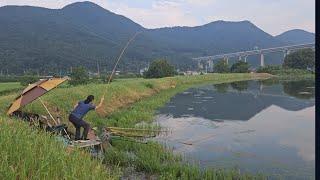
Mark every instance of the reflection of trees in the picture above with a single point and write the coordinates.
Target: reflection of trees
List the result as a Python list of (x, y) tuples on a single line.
[(299, 89), (269, 82), (240, 86), (221, 88)]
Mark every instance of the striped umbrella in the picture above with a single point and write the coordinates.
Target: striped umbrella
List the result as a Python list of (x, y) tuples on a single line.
[(34, 91)]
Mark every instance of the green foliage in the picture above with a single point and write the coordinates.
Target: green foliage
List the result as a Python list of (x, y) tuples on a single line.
[(10, 78), (160, 69), (9, 87), (287, 73), (28, 153), (221, 67), (221, 88), (152, 157), (143, 101), (240, 67), (79, 76), (300, 89), (271, 69), (240, 85), (149, 85), (26, 80), (301, 59), (58, 46)]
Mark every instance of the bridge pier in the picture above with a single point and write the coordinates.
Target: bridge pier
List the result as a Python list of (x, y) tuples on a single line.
[(286, 52), (262, 60), (240, 58), (226, 59), (245, 58)]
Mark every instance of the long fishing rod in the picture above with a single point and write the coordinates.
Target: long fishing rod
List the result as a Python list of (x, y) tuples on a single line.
[(119, 58), (121, 54)]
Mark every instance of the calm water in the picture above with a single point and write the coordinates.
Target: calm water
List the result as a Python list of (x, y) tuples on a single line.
[(255, 126)]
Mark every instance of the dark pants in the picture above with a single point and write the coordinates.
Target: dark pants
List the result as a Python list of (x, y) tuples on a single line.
[(78, 123)]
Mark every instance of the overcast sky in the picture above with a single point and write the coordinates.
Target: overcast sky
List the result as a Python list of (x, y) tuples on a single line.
[(273, 16)]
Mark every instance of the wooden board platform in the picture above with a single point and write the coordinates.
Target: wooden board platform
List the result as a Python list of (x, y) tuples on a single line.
[(85, 143)]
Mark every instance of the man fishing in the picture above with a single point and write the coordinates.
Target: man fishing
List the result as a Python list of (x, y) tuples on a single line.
[(80, 110)]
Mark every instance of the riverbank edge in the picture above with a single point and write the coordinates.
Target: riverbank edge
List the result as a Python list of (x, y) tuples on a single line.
[(165, 96), (168, 87)]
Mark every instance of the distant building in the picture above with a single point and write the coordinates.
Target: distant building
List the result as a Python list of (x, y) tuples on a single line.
[(143, 70), (191, 73)]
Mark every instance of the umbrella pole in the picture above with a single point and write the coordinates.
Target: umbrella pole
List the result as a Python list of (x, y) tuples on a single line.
[(52, 116)]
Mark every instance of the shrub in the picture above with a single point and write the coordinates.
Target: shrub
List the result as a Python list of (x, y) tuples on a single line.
[(149, 85), (271, 69), (79, 76), (221, 67), (26, 80), (301, 59), (160, 69), (240, 67)]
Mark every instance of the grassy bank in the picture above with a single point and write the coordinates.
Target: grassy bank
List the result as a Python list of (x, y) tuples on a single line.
[(119, 94), (30, 154), (9, 87), (287, 73), (127, 102)]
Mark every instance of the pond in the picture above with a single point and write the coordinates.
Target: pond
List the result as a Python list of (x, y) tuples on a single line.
[(263, 127)]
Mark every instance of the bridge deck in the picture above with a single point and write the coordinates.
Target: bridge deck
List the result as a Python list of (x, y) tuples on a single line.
[(254, 52)]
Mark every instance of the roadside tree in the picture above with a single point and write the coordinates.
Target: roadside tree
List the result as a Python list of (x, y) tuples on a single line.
[(240, 67), (301, 59), (160, 69), (79, 76), (221, 67)]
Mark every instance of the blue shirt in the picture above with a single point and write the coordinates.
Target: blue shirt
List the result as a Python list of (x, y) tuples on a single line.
[(82, 109)]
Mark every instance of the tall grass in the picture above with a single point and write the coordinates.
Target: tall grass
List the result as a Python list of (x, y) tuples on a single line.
[(127, 102), (30, 154), (286, 73), (8, 87)]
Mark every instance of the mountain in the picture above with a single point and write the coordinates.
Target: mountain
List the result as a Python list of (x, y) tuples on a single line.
[(296, 36), (214, 38), (85, 34)]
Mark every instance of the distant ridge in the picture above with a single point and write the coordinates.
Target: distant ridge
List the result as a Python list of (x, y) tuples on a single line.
[(296, 36), (83, 33)]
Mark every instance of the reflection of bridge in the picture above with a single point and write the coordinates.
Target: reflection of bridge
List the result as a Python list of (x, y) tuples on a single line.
[(285, 49)]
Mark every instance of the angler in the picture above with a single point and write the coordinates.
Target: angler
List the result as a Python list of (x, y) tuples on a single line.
[(80, 110)]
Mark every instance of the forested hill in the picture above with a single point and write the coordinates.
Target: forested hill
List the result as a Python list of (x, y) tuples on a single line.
[(53, 40), (296, 36)]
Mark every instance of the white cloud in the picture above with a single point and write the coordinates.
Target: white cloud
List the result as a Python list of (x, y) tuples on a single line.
[(160, 14), (273, 16)]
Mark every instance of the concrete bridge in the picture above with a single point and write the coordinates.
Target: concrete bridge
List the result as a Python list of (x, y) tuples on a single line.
[(244, 54)]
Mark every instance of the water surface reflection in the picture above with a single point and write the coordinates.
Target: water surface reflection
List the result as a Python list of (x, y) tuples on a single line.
[(256, 126)]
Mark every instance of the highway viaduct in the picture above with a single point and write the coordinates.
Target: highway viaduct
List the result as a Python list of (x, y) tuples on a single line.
[(244, 54)]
